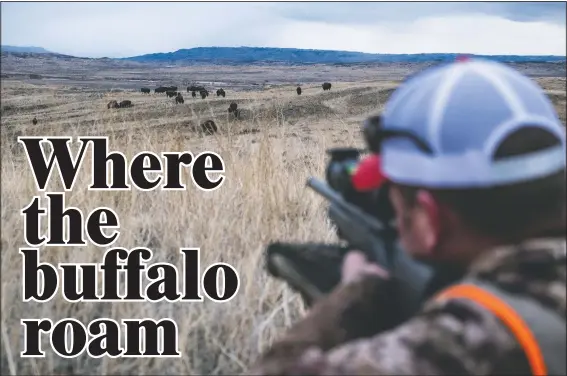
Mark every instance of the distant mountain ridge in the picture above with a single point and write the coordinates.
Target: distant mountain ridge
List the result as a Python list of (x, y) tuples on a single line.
[(291, 56), (24, 49), (247, 55)]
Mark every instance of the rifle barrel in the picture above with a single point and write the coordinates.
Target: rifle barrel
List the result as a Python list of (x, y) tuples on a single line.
[(332, 196)]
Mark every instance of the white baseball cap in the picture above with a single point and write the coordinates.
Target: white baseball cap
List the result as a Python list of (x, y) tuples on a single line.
[(454, 118)]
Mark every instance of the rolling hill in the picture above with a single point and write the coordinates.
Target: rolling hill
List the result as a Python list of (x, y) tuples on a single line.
[(24, 49), (279, 56), (247, 55)]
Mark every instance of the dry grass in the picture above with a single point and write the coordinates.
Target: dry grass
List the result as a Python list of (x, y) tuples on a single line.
[(268, 157)]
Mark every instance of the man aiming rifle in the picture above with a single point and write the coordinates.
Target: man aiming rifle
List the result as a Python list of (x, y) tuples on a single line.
[(475, 157)]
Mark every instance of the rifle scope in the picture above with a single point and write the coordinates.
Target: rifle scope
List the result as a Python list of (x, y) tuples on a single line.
[(338, 173)]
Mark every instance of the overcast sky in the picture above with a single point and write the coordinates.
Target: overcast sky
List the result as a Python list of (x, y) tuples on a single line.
[(128, 29)]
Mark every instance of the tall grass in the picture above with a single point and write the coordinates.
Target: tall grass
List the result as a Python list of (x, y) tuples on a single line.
[(268, 158)]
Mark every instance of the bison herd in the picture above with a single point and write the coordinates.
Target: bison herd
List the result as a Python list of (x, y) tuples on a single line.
[(171, 92), (208, 126)]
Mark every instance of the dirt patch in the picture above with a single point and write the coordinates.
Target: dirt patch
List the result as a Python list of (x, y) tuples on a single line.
[(293, 111), (10, 109), (309, 109), (368, 101)]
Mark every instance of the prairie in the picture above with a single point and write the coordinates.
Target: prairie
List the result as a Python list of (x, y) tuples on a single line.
[(279, 141)]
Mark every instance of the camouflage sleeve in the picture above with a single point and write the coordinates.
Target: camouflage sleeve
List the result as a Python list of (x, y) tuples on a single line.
[(349, 312), (447, 338)]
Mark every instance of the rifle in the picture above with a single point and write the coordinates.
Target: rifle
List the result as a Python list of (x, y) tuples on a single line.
[(314, 269)]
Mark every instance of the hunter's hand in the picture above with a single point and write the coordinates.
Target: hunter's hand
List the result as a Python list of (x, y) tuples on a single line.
[(356, 266)]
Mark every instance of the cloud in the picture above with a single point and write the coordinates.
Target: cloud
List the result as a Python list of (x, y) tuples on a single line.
[(431, 35), (125, 29), (374, 13)]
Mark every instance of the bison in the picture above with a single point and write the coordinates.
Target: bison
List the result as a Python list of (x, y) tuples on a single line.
[(125, 104), (209, 126), (195, 88), (171, 94), (179, 99), (145, 90), (203, 94), (193, 94), (161, 89), (34, 121), (232, 108), (327, 86), (221, 92), (112, 104), (298, 90)]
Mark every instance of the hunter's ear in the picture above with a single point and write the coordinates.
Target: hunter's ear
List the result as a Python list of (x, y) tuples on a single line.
[(428, 223)]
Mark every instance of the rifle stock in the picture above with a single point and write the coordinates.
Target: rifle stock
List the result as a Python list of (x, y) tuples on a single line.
[(312, 269)]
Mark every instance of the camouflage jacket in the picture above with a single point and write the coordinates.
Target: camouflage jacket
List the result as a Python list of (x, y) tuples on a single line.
[(446, 337)]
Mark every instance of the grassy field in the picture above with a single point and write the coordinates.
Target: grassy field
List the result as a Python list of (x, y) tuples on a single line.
[(280, 141)]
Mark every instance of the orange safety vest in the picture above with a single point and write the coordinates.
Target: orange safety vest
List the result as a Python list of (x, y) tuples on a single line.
[(540, 331)]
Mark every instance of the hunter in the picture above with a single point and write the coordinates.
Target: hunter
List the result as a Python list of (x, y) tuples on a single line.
[(476, 162)]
